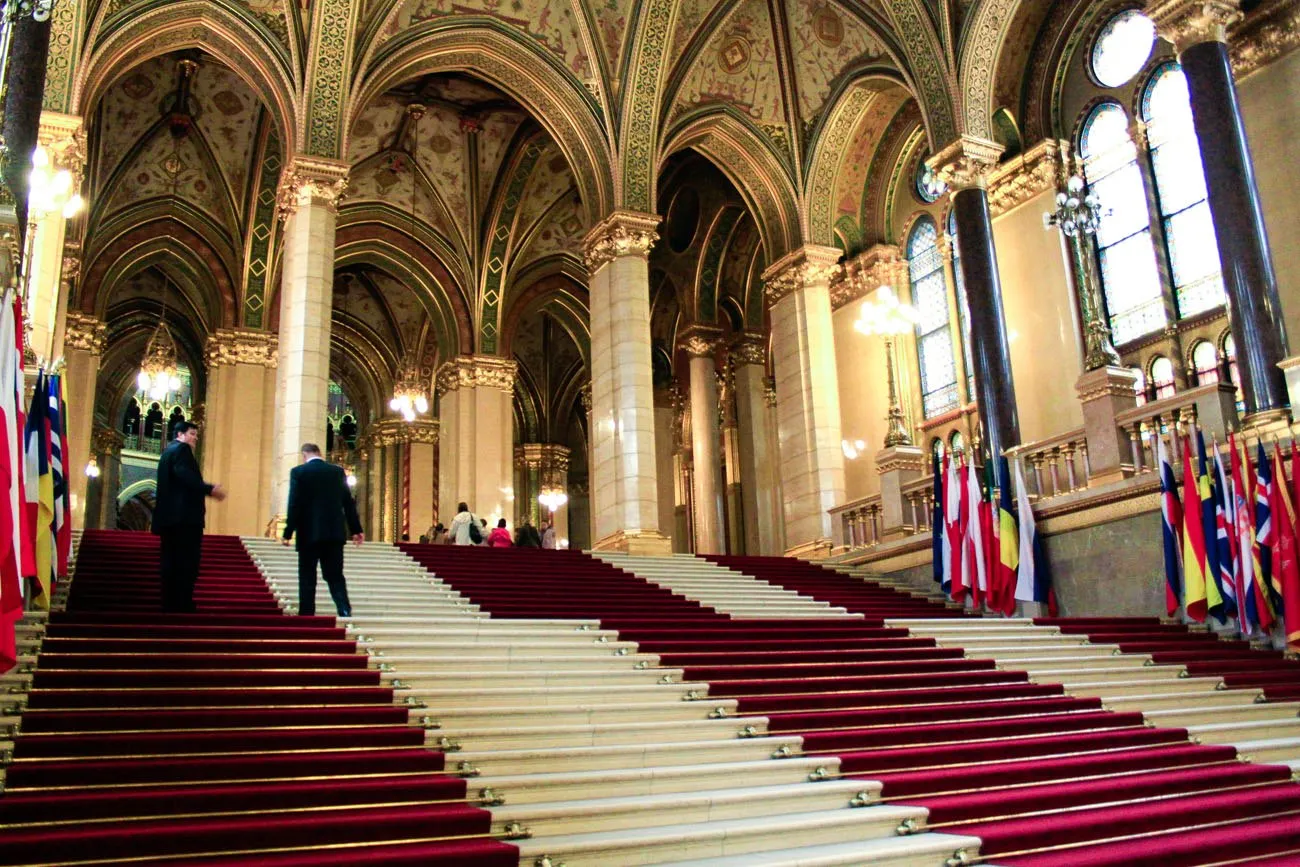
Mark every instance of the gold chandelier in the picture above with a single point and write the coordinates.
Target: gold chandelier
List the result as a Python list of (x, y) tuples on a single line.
[(409, 395), (159, 372)]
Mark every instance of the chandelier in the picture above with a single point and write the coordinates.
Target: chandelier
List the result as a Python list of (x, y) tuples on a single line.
[(409, 395), (552, 498), (159, 374)]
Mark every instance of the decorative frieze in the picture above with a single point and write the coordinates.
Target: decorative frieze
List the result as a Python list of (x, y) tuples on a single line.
[(806, 266), (1270, 33), (551, 459), (311, 181), (473, 371), (749, 348), (622, 233), (84, 333), (230, 346), (1190, 22), (966, 163), (881, 265), (1020, 179), (701, 341)]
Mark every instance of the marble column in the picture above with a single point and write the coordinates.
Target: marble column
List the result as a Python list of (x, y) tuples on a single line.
[(64, 140), (476, 433), (807, 396), (701, 345), (421, 459), (554, 476), (83, 346), (623, 476), (964, 165), (761, 497), (1198, 31), (309, 192), (101, 508), (241, 375), (667, 430)]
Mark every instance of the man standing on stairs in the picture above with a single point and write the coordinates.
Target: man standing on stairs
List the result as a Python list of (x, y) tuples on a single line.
[(178, 517), (323, 514)]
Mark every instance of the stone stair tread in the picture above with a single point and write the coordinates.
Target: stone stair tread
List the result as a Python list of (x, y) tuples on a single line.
[(770, 742), (881, 850), (503, 782)]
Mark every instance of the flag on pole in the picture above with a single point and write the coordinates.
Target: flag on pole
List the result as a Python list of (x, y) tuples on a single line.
[(989, 529), (1243, 572), (62, 526), (11, 473), (1266, 536), (973, 559), (40, 493), (1225, 538), (1195, 570), (952, 516), (1209, 531), (1008, 544), (1171, 529), (1286, 556), (1033, 580), (937, 529)]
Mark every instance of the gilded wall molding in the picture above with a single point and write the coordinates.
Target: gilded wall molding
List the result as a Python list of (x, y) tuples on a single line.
[(230, 346), (700, 341), (879, 265), (1190, 22), (1266, 36), (749, 349), (807, 266), (622, 233), (311, 181), (966, 162), (1018, 180), (84, 333), (475, 371)]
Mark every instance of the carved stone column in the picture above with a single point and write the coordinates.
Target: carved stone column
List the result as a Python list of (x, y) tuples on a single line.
[(309, 193), (64, 140), (389, 443), (101, 494), (241, 386), (83, 347), (964, 165), (421, 474), (759, 467), (701, 344), (476, 424), (624, 488), (1104, 393), (1198, 30), (807, 396), (545, 466)]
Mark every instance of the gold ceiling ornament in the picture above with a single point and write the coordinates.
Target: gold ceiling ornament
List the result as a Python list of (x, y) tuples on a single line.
[(809, 265), (84, 333), (1190, 22), (410, 394), (622, 233), (966, 162)]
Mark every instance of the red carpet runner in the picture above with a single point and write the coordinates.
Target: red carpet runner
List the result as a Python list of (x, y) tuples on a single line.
[(1041, 777), (236, 735)]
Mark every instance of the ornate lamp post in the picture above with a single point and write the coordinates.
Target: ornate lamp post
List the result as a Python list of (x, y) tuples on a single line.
[(1078, 215), (889, 317)]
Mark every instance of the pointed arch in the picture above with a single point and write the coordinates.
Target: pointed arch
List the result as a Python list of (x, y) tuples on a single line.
[(979, 62)]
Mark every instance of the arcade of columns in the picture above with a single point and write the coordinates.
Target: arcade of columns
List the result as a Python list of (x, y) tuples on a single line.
[(773, 454)]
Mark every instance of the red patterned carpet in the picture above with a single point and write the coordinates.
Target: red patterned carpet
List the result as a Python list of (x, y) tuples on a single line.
[(236, 735)]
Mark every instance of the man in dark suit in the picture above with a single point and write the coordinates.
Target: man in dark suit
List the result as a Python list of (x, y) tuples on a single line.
[(323, 514), (178, 517)]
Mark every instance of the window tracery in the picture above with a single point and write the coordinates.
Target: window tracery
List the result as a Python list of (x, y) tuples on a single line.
[(934, 348)]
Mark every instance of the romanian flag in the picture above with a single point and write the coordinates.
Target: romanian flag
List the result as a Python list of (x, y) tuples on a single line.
[(11, 477), (937, 529), (40, 494), (1195, 570), (1209, 531), (1171, 514), (1286, 557), (1008, 545)]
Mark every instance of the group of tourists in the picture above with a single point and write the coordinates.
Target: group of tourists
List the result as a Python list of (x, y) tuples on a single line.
[(467, 529)]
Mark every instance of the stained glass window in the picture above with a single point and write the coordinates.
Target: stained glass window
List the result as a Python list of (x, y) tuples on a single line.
[(1180, 193), (963, 308), (928, 186), (1162, 377), (1206, 361), (933, 339), (1129, 276), (1122, 48)]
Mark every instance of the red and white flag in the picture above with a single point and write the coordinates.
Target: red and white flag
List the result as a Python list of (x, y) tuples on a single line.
[(11, 478)]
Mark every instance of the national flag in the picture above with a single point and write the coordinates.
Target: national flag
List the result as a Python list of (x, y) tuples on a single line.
[(1243, 515), (1209, 532), (1265, 537), (1171, 529), (1195, 570), (1033, 579), (40, 493), (1286, 557), (973, 559), (990, 526), (1225, 538), (59, 464), (11, 472), (937, 529), (952, 516), (1008, 544)]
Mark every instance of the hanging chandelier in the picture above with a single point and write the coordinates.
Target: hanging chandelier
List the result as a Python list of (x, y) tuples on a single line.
[(409, 395), (159, 372), (552, 498)]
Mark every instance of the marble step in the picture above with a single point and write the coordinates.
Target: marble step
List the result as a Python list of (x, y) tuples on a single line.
[(1071, 650), (477, 631), (559, 695), (988, 645), (1151, 701), (1234, 733), (503, 737), (418, 679), (1067, 664), (514, 649), (635, 782), (459, 717), (612, 814), (1193, 714), (1270, 750), (609, 757), (519, 663), (724, 837), (947, 624), (917, 850)]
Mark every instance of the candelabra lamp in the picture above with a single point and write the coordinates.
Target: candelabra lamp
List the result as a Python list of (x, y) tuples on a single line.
[(1078, 215), (889, 318)]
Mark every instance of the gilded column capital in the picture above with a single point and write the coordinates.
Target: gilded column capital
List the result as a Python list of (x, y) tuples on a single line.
[(396, 431), (85, 333), (230, 346), (311, 181), (1266, 36), (622, 233), (473, 371), (422, 430), (64, 138), (701, 341), (807, 266), (880, 265), (749, 348), (584, 394), (1190, 22), (106, 441), (1035, 171), (547, 457), (965, 163)]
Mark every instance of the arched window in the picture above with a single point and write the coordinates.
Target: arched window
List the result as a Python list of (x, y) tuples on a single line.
[(1180, 192), (1139, 385), (937, 447), (933, 339), (1234, 374), (963, 307), (957, 443), (1129, 277), (1162, 377), (1205, 359)]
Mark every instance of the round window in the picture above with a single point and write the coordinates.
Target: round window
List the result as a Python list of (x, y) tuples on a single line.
[(1122, 48)]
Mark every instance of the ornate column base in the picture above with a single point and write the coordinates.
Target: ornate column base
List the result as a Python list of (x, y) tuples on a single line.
[(1104, 393), (897, 466), (639, 543)]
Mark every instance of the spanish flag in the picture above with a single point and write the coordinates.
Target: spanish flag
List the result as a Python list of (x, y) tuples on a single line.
[(1195, 574)]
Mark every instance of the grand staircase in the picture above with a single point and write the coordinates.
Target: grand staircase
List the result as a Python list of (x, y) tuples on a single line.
[(545, 708)]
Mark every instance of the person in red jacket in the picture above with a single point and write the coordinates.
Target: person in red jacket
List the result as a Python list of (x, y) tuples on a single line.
[(500, 537)]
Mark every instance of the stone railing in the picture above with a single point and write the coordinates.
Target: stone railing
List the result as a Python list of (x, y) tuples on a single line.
[(858, 522), (1054, 466), (1212, 407), (919, 497)]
